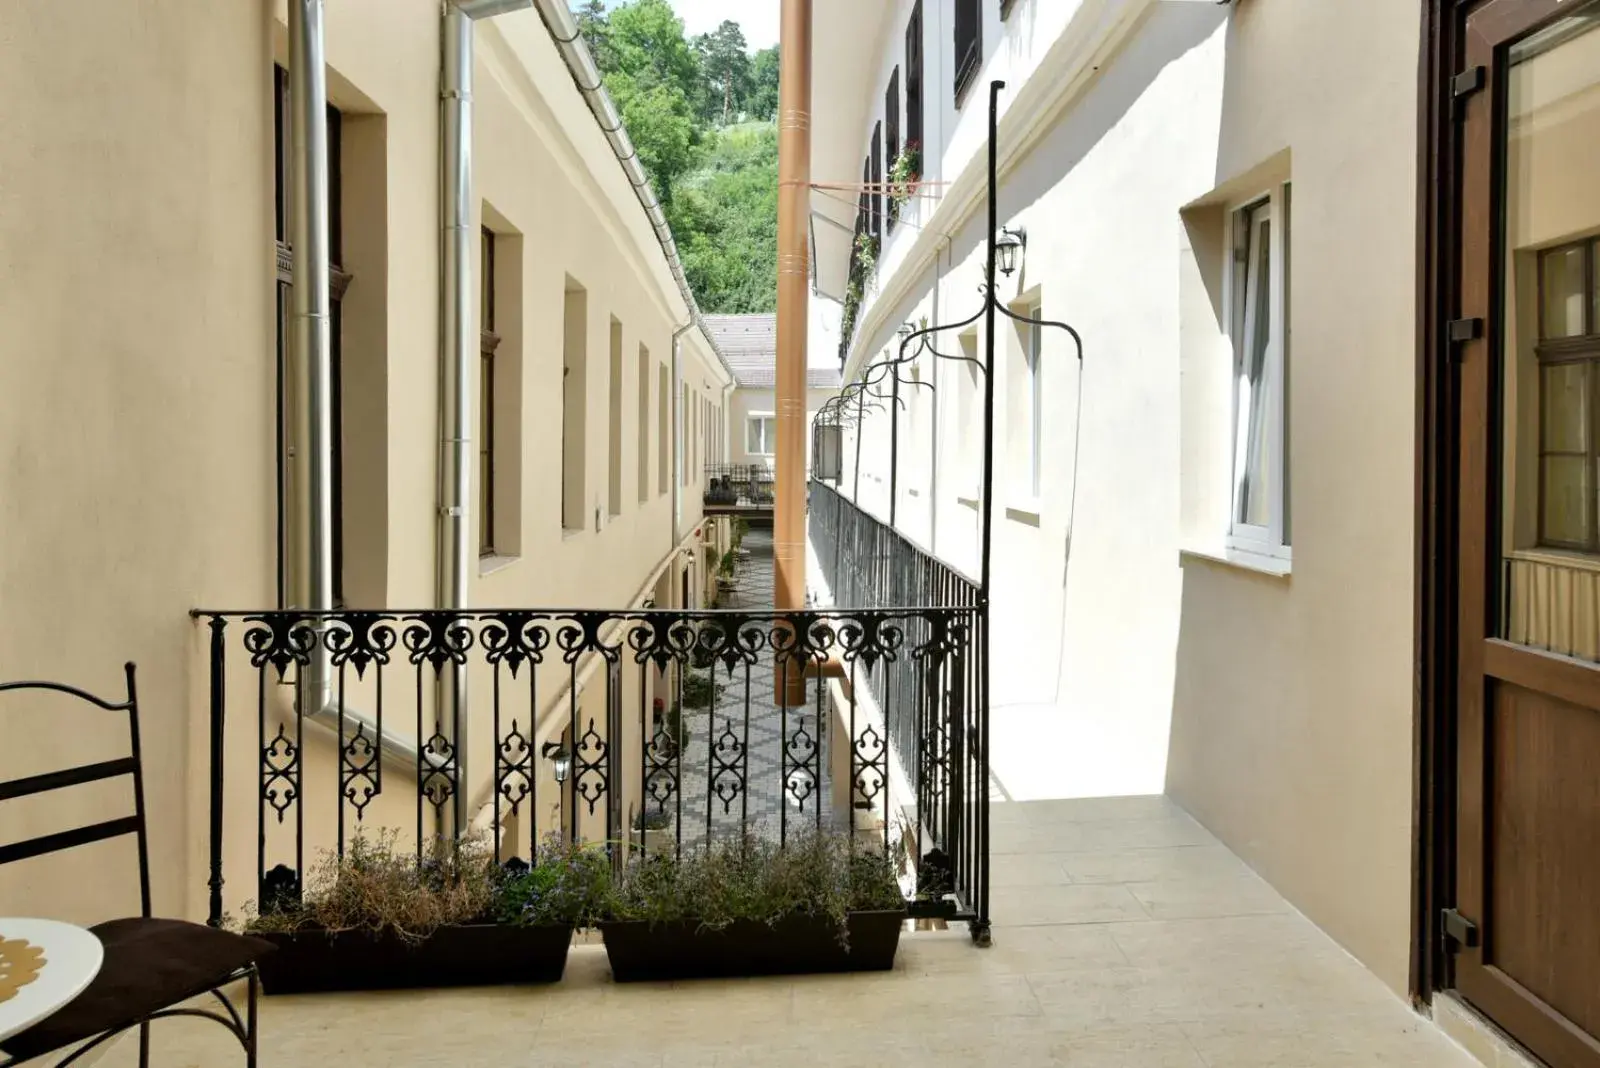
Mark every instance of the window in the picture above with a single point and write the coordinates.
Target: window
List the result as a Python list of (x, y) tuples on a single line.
[(891, 111), (876, 156), (574, 403), (488, 342), (1024, 404), (614, 425), (1006, 7), (291, 379), (644, 424), (761, 434), (969, 43), (914, 76), (663, 431), (969, 414), (1568, 353), (1258, 299)]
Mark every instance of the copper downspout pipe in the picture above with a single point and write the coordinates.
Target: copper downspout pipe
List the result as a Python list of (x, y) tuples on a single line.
[(794, 283)]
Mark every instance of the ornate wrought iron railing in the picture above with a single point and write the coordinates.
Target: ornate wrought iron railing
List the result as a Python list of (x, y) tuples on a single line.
[(739, 484), (647, 730), (869, 565)]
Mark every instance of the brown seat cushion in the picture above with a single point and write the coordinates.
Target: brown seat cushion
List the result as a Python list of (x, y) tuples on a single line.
[(149, 965)]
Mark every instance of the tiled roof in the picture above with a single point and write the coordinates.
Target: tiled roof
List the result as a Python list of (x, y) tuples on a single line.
[(750, 342)]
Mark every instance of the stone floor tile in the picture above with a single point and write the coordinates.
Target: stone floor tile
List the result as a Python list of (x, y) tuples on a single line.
[(1241, 893), (1067, 904), (1150, 865)]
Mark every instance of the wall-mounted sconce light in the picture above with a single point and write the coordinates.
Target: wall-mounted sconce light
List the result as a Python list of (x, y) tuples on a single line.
[(1009, 246), (561, 758)]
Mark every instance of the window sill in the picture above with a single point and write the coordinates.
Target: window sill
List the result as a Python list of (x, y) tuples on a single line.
[(1027, 513), (1568, 558), (1239, 559), (488, 565), (573, 533), (967, 502)]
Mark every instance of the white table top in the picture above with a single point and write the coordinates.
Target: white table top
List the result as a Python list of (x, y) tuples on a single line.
[(72, 958)]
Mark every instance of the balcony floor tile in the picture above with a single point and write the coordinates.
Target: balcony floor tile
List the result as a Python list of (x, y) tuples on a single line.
[(1125, 937)]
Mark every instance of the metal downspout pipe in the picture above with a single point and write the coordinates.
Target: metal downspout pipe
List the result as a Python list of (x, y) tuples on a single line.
[(311, 353), (678, 443), (456, 345)]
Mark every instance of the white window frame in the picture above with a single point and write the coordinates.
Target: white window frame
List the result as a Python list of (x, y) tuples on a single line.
[(1266, 542), (767, 435)]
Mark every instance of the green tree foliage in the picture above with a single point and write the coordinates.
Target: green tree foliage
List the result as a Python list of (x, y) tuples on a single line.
[(725, 60), (725, 217), (763, 102), (681, 102)]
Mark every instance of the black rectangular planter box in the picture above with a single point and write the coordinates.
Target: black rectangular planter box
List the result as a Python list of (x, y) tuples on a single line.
[(476, 955), (640, 951)]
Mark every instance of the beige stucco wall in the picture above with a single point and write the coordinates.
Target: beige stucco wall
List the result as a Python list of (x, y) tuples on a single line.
[(137, 385), (1292, 713), (745, 402)]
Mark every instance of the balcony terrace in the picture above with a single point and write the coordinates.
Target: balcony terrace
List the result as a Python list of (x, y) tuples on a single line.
[(1124, 936), (1123, 933)]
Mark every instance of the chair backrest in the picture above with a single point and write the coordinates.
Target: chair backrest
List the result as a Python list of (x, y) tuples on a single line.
[(28, 786)]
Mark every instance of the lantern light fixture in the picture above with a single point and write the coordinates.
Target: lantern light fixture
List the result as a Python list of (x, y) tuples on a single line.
[(561, 758), (1009, 246)]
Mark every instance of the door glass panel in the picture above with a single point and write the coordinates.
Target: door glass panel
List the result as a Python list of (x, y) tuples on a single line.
[(1549, 545), (1566, 500), (1565, 293), (1566, 407)]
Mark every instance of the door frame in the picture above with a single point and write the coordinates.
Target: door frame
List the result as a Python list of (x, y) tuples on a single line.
[(1434, 605), (1444, 164)]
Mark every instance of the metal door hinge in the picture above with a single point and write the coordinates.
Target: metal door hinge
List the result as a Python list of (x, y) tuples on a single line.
[(1459, 931), (1460, 330), (1467, 82), (1462, 86)]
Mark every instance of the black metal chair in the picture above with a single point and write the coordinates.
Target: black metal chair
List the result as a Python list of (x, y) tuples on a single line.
[(151, 965)]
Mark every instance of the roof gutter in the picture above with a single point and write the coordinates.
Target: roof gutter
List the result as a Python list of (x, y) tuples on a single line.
[(563, 30)]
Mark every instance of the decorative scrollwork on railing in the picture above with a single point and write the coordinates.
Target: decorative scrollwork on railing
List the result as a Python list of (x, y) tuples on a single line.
[(869, 764), (280, 773), (279, 639), (661, 767), (436, 771), (661, 639), (728, 767), (589, 772), (358, 770), (359, 639), (513, 767), (514, 638), (580, 634), (437, 638), (802, 761), (868, 639)]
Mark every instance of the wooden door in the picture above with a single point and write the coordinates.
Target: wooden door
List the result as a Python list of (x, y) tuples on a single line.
[(1528, 715)]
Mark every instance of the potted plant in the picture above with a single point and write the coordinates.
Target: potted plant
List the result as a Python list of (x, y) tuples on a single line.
[(376, 919), (906, 174), (744, 907)]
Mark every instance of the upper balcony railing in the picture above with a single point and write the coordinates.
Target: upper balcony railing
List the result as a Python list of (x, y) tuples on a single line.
[(739, 485), (869, 566)]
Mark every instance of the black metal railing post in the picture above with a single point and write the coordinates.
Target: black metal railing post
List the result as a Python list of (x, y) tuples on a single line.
[(218, 719)]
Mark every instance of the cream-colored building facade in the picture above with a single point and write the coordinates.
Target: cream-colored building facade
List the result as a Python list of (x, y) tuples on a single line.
[(1151, 156), (750, 344), (139, 385)]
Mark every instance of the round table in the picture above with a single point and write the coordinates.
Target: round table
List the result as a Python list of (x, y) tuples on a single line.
[(72, 958)]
